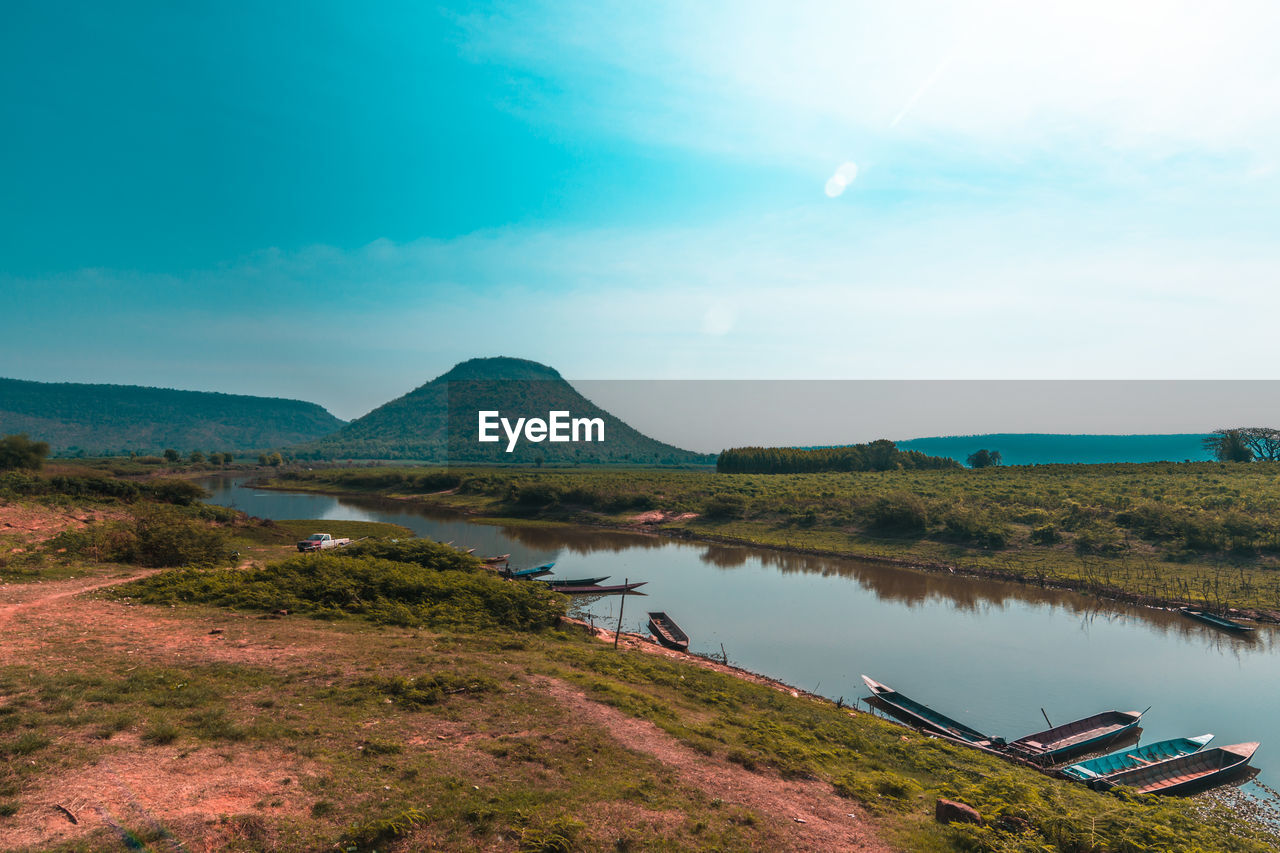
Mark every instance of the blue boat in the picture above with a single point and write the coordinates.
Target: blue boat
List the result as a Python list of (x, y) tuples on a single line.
[(1053, 745), (1196, 772), (1139, 756), (544, 569), (923, 717)]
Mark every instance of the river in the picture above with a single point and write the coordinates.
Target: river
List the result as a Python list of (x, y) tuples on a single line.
[(989, 653)]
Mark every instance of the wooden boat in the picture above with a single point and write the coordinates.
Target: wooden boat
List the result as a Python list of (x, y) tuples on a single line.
[(1189, 772), (667, 632), (923, 717), (1217, 621), (1075, 737), (573, 581), (593, 589), (501, 558), (1138, 756)]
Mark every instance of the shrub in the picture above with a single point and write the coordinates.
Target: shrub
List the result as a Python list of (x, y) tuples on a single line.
[(329, 586), (1100, 538), (420, 552), (1046, 534), (167, 538), (19, 451), (900, 512), (976, 527), (724, 507)]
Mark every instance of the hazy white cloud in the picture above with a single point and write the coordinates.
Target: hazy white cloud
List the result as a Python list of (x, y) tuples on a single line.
[(840, 180), (800, 295), (1001, 80)]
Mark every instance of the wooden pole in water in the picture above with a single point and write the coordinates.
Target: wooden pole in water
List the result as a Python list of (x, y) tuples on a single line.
[(1046, 717), (621, 605)]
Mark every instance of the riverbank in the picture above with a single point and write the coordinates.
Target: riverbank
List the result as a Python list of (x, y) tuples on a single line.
[(212, 719), (778, 513)]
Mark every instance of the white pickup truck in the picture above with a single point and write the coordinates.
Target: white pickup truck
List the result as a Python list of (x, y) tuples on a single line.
[(321, 542)]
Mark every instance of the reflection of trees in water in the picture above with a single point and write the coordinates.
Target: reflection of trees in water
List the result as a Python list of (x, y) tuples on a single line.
[(726, 557), (581, 540), (916, 586)]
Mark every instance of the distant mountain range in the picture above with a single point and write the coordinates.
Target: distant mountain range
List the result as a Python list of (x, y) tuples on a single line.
[(1048, 448), (438, 422), (422, 425), (110, 419)]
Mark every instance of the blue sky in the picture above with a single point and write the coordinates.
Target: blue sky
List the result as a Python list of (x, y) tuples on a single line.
[(337, 202)]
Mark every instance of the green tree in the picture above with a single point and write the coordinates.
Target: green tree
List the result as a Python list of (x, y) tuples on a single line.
[(196, 457), (983, 458), (275, 460), (1229, 445), (171, 455), (19, 451)]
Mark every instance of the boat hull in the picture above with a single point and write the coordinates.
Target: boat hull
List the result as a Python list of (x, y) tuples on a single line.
[(592, 589), (574, 581), (1218, 622)]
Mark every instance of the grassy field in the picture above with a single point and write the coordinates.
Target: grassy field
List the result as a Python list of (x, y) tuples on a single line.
[(377, 737), (413, 700), (1205, 533)]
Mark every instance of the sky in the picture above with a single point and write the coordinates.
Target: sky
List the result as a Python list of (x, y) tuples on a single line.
[(337, 202)]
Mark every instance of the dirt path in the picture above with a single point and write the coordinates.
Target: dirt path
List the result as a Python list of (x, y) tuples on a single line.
[(817, 819), (30, 596), (184, 788)]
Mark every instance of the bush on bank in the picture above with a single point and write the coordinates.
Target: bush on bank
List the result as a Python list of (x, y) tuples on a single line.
[(378, 590)]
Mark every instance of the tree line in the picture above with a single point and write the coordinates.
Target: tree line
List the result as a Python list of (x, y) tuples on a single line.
[(880, 455)]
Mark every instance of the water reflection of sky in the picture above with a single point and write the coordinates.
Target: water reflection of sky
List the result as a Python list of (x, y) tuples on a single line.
[(989, 653)]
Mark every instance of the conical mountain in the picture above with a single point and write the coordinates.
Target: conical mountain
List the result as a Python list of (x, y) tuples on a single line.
[(438, 422)]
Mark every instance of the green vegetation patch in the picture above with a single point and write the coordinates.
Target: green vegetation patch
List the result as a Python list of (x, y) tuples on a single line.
[(382, 591)]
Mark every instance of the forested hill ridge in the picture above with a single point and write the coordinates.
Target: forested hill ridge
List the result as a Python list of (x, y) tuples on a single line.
[(417, 425), (110, 419), (1064, 449)]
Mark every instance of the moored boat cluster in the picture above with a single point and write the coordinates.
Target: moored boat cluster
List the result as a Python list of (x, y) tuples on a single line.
[(1176, 766)]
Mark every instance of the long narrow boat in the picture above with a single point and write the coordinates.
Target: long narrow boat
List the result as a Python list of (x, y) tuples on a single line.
[(593, 589), (1180, 775), (501, 558), (572, 582), (923, 717), (526, 574), (667, 632), (1217, 621), (544, 569), (1053, 745), (1138, 756)]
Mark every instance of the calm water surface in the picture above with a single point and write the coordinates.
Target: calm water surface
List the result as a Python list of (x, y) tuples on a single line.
[(989, 653)]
